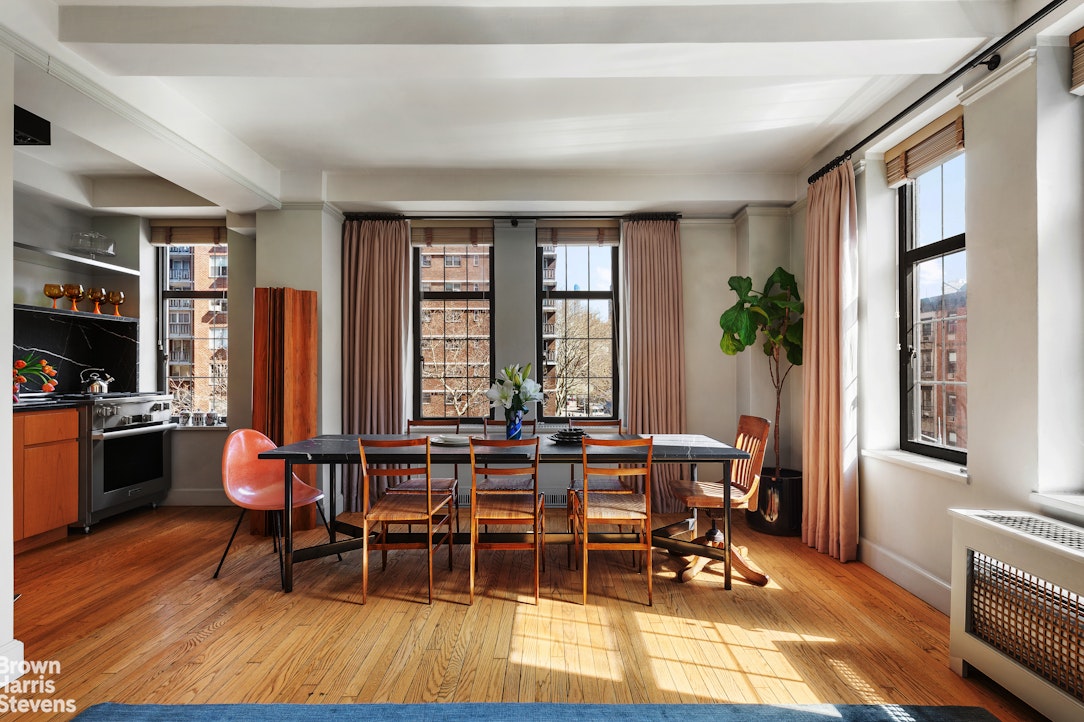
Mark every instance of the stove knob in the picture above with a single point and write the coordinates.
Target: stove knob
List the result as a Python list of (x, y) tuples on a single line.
[(105, 410)]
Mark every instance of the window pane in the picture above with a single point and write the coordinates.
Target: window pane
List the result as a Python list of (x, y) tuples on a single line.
[(953, 205), (453, 334), (937, 400), (576, 331), (197, 342)]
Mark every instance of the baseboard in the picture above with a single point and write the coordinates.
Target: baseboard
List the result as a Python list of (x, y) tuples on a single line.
[(196, 497), (11, 661), (934, 591)]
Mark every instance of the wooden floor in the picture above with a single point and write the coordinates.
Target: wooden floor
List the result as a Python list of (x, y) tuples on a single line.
[(132, 615)]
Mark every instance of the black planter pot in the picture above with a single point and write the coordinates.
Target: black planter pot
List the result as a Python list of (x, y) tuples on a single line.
[(779, 510)]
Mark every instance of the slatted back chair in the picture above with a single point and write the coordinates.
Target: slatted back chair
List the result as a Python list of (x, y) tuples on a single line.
[(752, 438), (431, 508), (505, 503), (439, 483), (594, 509)]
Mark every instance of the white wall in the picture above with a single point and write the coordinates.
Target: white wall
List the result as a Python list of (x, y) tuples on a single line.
[(1024, 187), (708, 260), (11, 649)]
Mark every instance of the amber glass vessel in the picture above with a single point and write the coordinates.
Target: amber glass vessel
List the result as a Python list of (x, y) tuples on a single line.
[(75, 294), (116, 298), (53, 291)]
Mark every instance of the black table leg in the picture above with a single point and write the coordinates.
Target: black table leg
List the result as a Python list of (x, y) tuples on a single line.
[(288, 532), (727, 561)]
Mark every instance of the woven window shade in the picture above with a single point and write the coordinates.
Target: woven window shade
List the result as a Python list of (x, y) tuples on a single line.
[(184, 232), (926, 149), (578, 233), (1076, 42), (451, 233)]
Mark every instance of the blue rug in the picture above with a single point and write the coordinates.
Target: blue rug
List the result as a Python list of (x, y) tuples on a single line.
[(529, 712)]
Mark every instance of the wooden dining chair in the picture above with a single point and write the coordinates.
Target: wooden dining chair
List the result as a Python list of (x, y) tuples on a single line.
[(432, 508), (600, 485), (439, 483), (513, 502), (633, 509), (752, 438)]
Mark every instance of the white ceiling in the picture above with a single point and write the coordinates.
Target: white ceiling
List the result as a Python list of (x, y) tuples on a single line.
[(491, 106)]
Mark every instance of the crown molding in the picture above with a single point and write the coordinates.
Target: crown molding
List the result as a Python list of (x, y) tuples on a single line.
[(110, 101), (999, 77)]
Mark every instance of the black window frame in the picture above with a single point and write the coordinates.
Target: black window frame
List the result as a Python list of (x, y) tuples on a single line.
[(417, 297), (611, 295), (909, 258)]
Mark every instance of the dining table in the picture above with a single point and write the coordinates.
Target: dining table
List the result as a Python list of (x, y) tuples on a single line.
[(334, 450)]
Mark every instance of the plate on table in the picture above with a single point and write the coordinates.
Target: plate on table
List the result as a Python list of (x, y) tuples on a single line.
[(567, 439), (450, 440)]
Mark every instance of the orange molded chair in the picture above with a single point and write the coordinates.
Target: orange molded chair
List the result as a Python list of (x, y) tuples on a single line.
[(257, 484)]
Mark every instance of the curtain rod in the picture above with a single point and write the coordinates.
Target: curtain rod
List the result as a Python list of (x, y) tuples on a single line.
[(991, 62)]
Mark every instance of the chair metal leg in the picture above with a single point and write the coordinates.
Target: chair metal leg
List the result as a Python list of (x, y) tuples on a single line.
[(277, 516), (229, 543)]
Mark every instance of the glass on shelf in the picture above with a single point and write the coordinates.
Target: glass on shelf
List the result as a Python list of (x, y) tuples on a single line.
[(97, 295), (75, 294), (116, 298), (53, 291)]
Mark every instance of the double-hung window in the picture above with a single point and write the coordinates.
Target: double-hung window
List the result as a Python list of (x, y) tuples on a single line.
[(577, 266), (933, 294), (453, 319), (194, 262)]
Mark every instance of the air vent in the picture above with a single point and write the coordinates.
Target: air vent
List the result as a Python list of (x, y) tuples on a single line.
[(31, 129), (1018, 606)]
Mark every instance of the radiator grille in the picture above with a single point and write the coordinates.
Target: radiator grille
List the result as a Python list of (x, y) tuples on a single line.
[(1039, 624), (1040, 528)]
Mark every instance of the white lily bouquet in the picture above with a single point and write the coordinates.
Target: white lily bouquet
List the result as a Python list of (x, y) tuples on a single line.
[(512, 391)]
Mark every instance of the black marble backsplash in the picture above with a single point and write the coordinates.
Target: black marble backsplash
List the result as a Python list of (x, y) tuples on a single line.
[(77, 343)]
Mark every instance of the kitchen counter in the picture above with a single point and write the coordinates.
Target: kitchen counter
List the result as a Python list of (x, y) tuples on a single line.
[(37, 404)]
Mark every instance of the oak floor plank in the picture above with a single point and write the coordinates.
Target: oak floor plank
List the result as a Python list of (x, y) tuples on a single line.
[(132, 614)]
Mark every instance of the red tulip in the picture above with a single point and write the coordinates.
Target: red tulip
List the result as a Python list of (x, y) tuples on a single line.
[(20, 364)]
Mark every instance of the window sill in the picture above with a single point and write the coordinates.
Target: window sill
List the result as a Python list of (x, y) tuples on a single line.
[(936, 467), (1062, 505)]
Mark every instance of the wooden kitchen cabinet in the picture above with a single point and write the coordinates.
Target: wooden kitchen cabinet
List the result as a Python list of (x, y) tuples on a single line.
[(46, 475)]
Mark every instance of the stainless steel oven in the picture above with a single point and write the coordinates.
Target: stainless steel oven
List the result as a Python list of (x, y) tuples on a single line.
[(128, 458)]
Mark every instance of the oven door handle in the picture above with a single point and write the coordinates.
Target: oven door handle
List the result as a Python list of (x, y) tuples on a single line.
[(103, 435)]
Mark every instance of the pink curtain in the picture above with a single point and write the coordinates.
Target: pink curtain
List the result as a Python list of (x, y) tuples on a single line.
[(656, 341), (829, 433), (376, 314)]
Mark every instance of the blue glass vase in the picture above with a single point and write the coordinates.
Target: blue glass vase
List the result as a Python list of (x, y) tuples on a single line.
[(513, 424)]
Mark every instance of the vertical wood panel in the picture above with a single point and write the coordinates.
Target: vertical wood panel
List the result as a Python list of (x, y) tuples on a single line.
[(284, 374)]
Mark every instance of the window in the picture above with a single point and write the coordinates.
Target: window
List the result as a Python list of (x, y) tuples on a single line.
[(194, 331), (453, 329), (933, 317), (576, 326)]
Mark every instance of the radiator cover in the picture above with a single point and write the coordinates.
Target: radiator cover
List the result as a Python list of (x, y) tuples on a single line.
[(1017, 614)]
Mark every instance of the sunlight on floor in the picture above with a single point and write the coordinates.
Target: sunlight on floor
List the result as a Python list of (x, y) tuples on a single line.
[(555, 636), (689, 655)]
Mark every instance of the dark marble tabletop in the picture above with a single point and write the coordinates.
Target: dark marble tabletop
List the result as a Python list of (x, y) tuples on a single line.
[(668, 448)]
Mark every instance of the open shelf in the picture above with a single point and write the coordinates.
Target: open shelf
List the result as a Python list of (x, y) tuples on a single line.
[(66, 261)]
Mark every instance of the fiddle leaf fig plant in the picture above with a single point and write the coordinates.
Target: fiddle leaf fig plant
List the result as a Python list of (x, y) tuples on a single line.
[(774, 314)]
